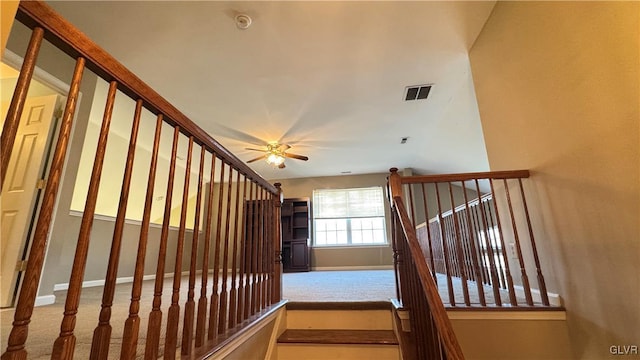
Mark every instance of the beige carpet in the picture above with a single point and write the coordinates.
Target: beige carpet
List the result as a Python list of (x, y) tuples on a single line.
[(365, 285), (360, 285), (43, 332), (370, 285)]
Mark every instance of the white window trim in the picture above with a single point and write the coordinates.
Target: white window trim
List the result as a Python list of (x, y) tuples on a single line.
[(349, 243)]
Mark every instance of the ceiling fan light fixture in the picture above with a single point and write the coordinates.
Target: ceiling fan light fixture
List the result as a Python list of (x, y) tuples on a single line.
[(275, 159)]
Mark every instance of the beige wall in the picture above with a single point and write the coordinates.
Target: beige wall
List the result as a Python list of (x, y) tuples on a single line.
[(336, 257), (557, 87), (65, 228), (8, 10), (510, 339)]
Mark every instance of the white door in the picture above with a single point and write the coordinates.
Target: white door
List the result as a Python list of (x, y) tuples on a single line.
[(20, 190)]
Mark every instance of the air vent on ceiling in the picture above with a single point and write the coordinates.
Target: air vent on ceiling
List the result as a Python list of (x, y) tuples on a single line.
[(417, 92)]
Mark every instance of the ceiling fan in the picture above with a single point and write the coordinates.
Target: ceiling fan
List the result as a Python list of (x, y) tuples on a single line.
[(275, 154)]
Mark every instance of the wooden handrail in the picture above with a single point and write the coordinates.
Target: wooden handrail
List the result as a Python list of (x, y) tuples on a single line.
[(76, 44), (512, 174)]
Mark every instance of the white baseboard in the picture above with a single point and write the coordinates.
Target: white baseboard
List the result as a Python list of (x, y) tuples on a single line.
[(507, 315), (554, 299), (343, 268), (45, 300), (120, 280)]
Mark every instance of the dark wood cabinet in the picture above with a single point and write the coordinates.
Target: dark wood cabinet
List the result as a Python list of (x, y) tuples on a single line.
[(295, 234)]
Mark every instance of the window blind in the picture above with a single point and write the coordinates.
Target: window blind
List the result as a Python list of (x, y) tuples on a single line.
[(348, 203)]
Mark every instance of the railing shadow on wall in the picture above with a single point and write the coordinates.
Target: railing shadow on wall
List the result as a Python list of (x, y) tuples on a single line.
[(476, 234), (236, 222)]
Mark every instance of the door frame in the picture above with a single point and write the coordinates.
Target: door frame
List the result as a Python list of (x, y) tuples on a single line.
[(62, 89)]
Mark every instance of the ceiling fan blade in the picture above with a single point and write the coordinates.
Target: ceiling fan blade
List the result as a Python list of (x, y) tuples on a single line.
[(255, 149), (258, 158), (282, 166), (222, 130), (285, 147), (295, 156)]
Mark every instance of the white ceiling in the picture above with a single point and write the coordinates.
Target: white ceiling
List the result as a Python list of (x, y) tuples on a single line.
[(326, 77)]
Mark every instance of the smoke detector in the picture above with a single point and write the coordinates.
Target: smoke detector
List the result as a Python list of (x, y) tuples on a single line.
[(243, 21)]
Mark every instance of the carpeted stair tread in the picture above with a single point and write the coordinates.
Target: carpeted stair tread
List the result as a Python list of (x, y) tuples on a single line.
[(323, 336)]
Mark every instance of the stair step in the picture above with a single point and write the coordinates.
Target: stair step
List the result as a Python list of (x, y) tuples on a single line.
[(327, 336), (343, 316)]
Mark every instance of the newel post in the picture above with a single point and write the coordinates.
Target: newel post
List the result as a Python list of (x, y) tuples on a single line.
[(277, 284), (395, 189), (395, 183)]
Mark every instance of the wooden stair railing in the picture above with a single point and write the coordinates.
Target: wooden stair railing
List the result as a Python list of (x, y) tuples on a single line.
[(431, 329), (244, 235), (476, 233)]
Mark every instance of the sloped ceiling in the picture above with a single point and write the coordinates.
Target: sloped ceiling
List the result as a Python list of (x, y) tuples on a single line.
[(326, 77)]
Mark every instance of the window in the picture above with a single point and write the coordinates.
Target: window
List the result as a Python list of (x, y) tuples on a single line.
[(344, 217)]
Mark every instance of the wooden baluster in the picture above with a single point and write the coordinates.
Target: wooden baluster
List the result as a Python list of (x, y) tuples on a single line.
[(429, 240), (233, 306), (459, 225), (523, 271), (14, 113), (257, 274), (445, 249), (395, 246), (248, 262), (29, 288), (477, 228), (173, 318), (397, 256), (494, 238), (215, 296), (458, 244), (277, 241), (494, 279), (416, 295), (452, 254), (505, 255), (65, 343), (467, 234), (255, 258), (411, 206), (268, 251), (132, 324), (261, 251), (189, 306), (155, 316), (270, 248), (464, 232), (472, 242), (254, 251), (534, 250), (202, 302), (405, 263), (224, 295), (102, 333), (241, 288)]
